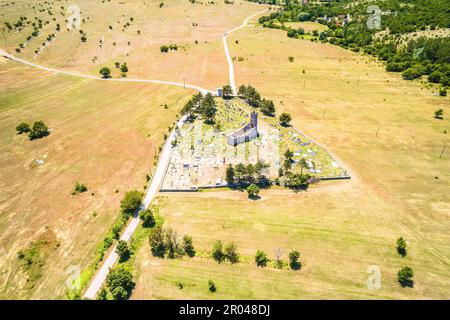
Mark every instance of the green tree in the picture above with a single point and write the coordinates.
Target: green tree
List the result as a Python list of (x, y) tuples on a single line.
[(124, 68), (164, 49), (293, 260), (253, 191), (285, 119), (122, 250), (401, 246), (227, 91), (131, 202), (242, 90), (39, 130), (405, 277), (157, 243), (148, 220), (23, 127), (267, 107), (230, 174), (297, 181), (217, 251), (188, 246), (79, 188), (119, 277), (208, 108), (261, 258), (105, 72), (230, 252)]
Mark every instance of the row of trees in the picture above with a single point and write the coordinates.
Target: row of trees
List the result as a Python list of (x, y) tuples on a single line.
[(202, 105), (246, 174), (164, 242), (405, 275), (262, 260), (37, 131)]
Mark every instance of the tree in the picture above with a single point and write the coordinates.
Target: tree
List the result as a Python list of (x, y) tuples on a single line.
[(148, 220), (211, 286), (164, 49), (297, 181), (119, 277), (278, 260), (230, 252), (217, 251), (227, 91), (39, 130), (405, 277), (285, 118), (156, 241), (288, 155), (267, 107), (302, 164), (438, 114), (253, 191), (293, 260), (208, 108), (122, 250), (242, 90), (105, 72), (172, 244), (230, 174), (188, 246), (261, 258), (23, 127), (401, 246), (124, 68), (131, 202)]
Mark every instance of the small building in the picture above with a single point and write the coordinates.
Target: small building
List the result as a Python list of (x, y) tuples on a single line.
[(246, 133), (219, 92)]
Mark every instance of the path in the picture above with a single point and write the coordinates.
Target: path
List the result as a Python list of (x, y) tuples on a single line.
[(87, 76), (100, 276), (227, 51)]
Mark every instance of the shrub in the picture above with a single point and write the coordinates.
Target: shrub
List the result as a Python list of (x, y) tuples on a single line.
[(23, 127), (405, 277), (438, 114), (122, 250), (148, 220), (211, 286), (261, 258), (188, 246), (230, 252), (39, 130), (79, 188), (164, 49), (293, 260), (217, 251), (443, 92), (401, 247), (253, 191), (105, 72), (156, 240)]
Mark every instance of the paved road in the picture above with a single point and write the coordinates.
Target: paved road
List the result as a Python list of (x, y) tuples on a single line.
[(227, 51), (157, 179), (87, 76)]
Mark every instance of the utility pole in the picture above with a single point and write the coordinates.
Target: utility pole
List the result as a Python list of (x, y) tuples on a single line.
[(324, 113), (442, 152), (378, 129), (184, 82)]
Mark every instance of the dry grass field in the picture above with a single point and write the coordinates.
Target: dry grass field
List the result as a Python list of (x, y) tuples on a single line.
[(103, 135), (177, 22), (399, 188)]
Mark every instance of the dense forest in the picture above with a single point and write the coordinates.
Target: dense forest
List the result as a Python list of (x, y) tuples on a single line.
[(393, 40)]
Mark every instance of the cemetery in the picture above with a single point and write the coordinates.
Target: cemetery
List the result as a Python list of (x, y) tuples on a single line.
[(202, 151)]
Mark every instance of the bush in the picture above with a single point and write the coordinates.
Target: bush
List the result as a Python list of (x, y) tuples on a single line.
[(285, 118), (411, 74), (405, 277), (211, 286), (148, 220), (79, 188), (443, 92), (164, 49), (157, 244), (261, 258), (119, 281), (438, 114), (217, 251), (253, 191), (293, 260), (23, 127), (230, 252), (401, 247), (131, 202), (188, 246), (105, 72), (122, 250), (39, 130)]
